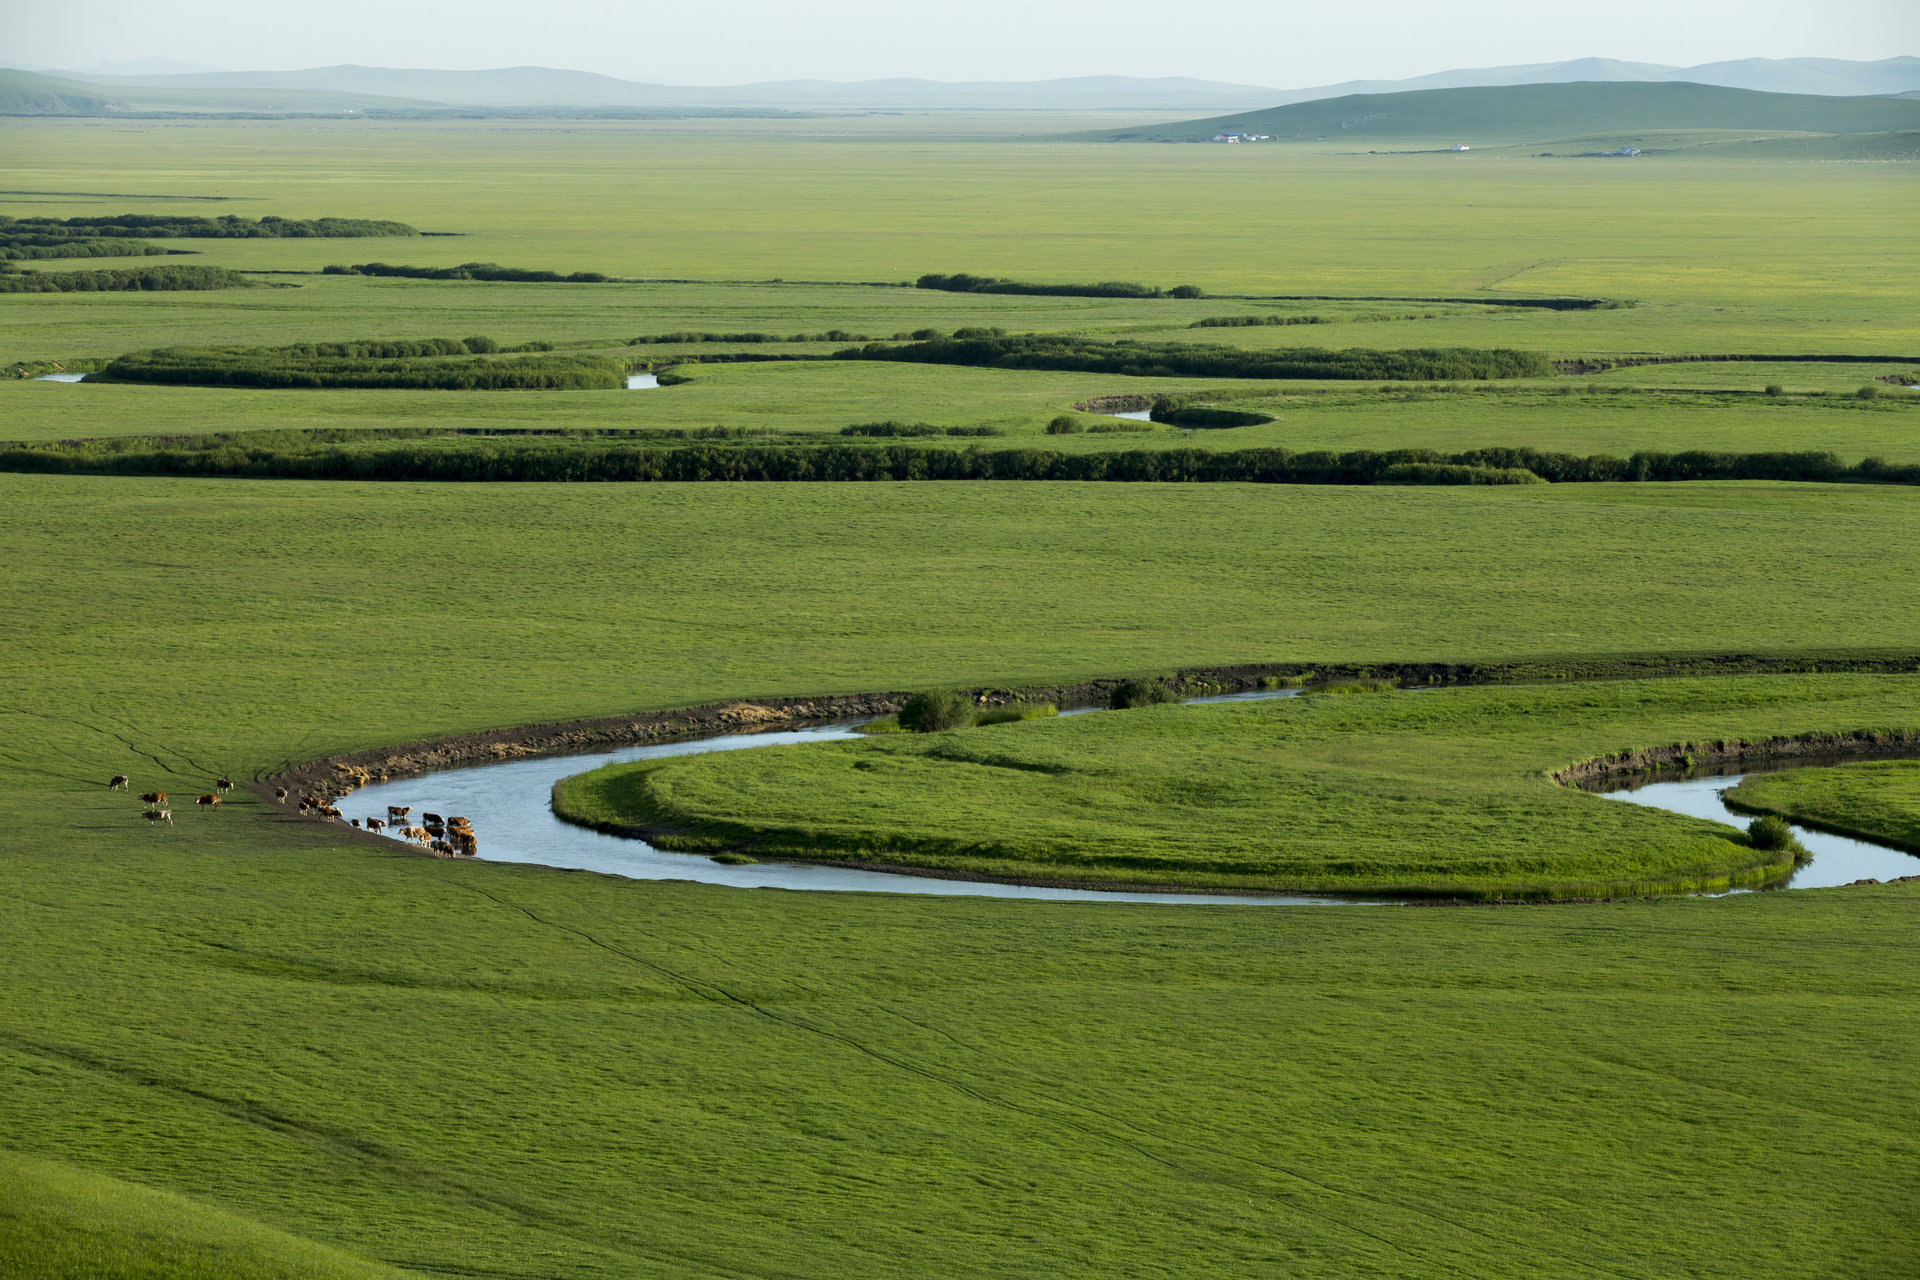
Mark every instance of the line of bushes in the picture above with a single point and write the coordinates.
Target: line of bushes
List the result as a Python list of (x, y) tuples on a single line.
[(963, 282), (575, 459), (160, 226), (32, 248), (447, 364), (487, 271), (1169, 359), (124, 280)]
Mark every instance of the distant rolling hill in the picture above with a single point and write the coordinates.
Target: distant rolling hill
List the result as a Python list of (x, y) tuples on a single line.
[(1834, 76), (1539, 112), (523, 87), (25, 93)]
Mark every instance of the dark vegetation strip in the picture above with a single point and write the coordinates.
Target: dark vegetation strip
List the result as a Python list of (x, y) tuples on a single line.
[(158, 226), (450, 364), (125, 280), (689, 338), (1167, 359), (883, 429), (965, 282), (962, 282), (486, 271), (27, 248), (595, 459), (1600, 364)]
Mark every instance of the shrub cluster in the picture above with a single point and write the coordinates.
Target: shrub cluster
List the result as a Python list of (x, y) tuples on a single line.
[(27, 248), (1141, 693), (1168, 359), (915, 429), (450, 364), (1255, 322), (1770, 833), (962, 282), (470, 271), (936, 710), (123, 280)]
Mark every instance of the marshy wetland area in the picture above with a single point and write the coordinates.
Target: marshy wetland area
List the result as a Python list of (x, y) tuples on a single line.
[(1391, 505)]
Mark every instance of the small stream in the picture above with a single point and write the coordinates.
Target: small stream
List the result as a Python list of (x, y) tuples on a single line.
[(58, 377), (1837, 860), (642, 382), (510, 807)]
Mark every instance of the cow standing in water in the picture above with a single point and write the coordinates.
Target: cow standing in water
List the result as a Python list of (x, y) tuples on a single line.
[(396, 813), (375, 825), (118, 782)]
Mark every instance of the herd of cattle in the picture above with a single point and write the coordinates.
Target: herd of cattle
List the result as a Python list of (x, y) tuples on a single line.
[(156, 801), (443, 837)]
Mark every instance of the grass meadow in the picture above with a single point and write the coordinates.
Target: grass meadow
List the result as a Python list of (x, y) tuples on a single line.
[(248, 1046)]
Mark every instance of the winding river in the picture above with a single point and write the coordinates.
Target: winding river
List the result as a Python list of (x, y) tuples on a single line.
[(510, 806)]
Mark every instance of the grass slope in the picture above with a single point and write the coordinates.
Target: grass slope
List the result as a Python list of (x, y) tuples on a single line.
[(62, 1222), (1878, 801), (1432, 792), (1538, 111)]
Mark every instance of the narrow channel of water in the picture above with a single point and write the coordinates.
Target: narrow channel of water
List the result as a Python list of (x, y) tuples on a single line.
[(1837, 860), (642, 382), (510, 807), (58, 377)]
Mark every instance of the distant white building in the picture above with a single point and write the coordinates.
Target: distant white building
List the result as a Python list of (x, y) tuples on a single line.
[(1242, 137), (1628, 151), (1460, 146)]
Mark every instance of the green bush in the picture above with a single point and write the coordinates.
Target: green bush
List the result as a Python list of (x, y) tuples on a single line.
[(1141, 693), (1770, 833), (1775, 389), (936, 710), (124, 280), (1868, 392), (1447, 473), (1064, 425)]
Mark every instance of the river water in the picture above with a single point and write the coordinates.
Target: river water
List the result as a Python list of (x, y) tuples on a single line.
[(510, 807)]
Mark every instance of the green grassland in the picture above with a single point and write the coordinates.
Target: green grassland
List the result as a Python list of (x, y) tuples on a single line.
[(1878, 801), (487, 1069), (1435, 792), (460, 1067)]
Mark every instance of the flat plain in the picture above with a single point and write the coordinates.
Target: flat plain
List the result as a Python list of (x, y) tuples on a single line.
[(256, 1046)]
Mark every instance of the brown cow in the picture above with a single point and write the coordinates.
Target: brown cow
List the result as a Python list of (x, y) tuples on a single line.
[(208, 802), (156, 798), (441, 849), (396, 813), (431, 819), (224, 784), (118, 782), (159, 815), (280, 794), (374, 824), (330, 811)]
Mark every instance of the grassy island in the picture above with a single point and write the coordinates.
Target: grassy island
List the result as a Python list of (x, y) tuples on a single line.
[(1441, 792)]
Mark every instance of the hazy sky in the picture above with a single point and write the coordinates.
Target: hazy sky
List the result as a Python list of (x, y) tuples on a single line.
[(1278, 43)]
